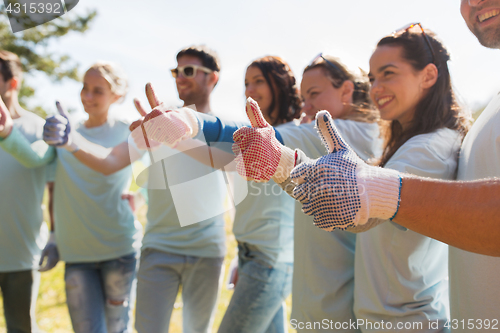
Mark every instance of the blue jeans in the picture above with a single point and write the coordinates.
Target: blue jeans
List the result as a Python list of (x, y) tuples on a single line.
[(98, 294), (258, 302), (158, 280)]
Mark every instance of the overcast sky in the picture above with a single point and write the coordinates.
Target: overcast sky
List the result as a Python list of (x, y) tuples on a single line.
[(144, 37)]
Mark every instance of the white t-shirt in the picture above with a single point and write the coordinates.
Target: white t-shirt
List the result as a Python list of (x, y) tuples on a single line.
[(474, 278)]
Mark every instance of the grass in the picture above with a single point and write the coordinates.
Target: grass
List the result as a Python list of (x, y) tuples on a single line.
[(52, 313)]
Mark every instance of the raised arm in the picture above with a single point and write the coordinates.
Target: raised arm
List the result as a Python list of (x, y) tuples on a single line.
[(30, 155), (58, 132), (342, 191)]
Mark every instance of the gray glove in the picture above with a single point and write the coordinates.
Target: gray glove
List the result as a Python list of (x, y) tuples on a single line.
[(51, 253)]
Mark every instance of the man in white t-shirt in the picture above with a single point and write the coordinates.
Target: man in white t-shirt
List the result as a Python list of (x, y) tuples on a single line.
[(176, 251)]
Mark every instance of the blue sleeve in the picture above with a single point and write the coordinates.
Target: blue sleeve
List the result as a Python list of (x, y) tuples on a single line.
[(216, 129)]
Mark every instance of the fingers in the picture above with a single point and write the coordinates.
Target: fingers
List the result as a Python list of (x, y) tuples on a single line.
[(62, 111), (139, 107), (254, 114), (3, 113), (328, 132), (150, 94), (299, 173)]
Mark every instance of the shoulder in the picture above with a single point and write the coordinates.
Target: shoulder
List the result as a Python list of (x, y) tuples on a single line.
[(441, 143), (432, 154)]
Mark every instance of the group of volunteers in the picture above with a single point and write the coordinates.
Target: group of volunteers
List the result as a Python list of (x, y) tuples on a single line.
[(345, 152)]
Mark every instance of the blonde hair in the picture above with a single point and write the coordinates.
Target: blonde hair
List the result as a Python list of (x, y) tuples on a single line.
[(114, 75)]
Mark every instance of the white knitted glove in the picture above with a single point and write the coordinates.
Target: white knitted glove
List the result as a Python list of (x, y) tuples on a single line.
[(341, 190), (138, 132), (169, 126), (6, 122), (259, 155), (57, 130)]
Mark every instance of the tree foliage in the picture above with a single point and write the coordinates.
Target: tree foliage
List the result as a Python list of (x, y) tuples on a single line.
[(31, 47)]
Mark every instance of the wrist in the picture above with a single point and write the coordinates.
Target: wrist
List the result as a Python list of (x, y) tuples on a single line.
[(6, 132), (381, 190), (52, 238), (71, 147), (192, 120), (285, 165)]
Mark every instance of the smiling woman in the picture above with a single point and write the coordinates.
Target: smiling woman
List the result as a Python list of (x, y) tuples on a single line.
[(411, 87)]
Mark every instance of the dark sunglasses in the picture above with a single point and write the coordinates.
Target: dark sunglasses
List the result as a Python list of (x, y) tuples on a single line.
[(420, 29), (335, 68), (189, 71)]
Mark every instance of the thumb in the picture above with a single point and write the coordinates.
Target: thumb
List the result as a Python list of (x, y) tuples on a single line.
[(255, 115), (139, 107), (3, 112), (150, 94), (328, 132), (62, 111)]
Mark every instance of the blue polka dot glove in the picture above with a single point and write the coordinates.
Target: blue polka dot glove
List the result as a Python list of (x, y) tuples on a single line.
[(339, 189), (57, 130)]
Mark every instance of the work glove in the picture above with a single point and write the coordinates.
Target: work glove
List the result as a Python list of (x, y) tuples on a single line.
[(166, 125), (340, 189), (141, 140), (51, 253), (259, 155), (57, 130)]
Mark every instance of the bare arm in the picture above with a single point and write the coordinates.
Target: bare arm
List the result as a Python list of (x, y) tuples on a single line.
[(106, 160), (50, 190), (462, 214), (211, 156)]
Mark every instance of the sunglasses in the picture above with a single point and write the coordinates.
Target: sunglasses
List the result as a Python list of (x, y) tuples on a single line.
[(420, 29), (335, 68), (189, 71)]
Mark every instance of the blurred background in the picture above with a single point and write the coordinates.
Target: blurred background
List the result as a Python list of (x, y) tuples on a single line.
[(144, 37)]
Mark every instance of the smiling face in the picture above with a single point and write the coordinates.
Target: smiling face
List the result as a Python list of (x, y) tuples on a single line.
[(319, 94), (483, 19), (396, 86), (96, 94), (258, 89), (193, 90)]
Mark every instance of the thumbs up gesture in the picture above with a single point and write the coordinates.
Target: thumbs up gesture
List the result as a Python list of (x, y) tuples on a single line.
[(138, 134), (165, 125), (340, 189), (57, 130), (6, 122), (259, 155)]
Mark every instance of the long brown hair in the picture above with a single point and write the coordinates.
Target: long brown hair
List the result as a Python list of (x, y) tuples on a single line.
[(439, 107), (287, 97), (362, 108)]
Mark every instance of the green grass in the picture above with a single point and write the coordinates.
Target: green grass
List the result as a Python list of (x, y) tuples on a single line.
[(52, 313)]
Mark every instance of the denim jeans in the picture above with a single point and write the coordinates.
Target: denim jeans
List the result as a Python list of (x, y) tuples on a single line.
[(19, 292), (98, 294), (158, 280), (257, 304)]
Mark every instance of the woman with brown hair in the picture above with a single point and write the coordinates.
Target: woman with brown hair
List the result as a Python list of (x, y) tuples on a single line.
[(401, 276)]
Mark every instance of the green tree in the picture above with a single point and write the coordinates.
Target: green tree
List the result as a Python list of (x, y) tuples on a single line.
[(31, 47)]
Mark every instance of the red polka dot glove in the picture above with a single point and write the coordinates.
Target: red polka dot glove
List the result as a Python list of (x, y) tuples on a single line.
[(168, 126), (342, 191), (259, 155)]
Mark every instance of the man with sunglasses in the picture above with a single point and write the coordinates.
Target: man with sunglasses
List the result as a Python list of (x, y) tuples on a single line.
[(196, 75), (176, 253)]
